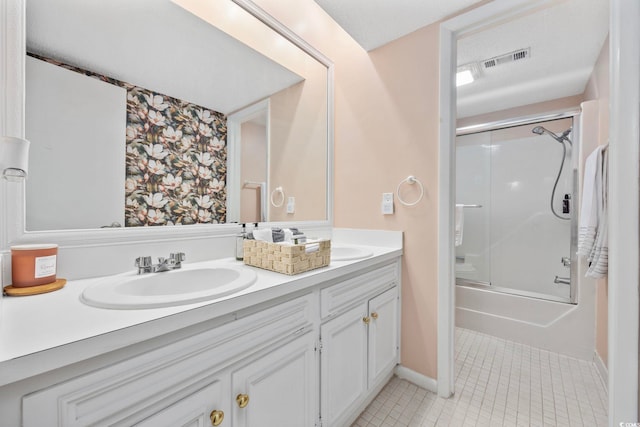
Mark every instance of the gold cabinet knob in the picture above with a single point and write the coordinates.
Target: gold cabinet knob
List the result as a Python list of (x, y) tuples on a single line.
[(366, 320), (216, 417), (374, 315), (242, 400)]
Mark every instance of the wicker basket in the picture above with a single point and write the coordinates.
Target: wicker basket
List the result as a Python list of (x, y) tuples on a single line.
[(287, 259)]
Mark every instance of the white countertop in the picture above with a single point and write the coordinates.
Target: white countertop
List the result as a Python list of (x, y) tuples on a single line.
[(44, 332)]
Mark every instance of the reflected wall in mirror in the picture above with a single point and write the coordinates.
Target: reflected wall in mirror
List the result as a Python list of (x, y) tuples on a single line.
[(150, 137)]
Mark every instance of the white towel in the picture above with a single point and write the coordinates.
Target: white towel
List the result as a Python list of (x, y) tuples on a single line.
[(309, 247), (459, 223), (599, 256), (312, 247), (591, 193), (264, 234), (593, 227), (288, 235)]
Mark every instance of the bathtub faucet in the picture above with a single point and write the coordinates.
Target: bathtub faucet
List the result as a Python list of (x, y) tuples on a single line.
[(562, 280)]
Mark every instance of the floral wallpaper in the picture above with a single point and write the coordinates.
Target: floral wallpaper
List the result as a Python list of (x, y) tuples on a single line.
[(176, 161), (176, 157)]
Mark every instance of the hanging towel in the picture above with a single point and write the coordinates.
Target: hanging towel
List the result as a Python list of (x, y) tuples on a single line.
[(459, 224), (591, 192), (599, 256), (593, 227)]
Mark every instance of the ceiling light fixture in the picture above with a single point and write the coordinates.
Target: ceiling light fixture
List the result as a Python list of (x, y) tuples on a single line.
[(464, 78), (466, 74)]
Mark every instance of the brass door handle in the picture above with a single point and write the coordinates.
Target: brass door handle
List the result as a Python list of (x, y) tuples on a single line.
[(366, 320), (374, 315), (242, 400), (216, 417)]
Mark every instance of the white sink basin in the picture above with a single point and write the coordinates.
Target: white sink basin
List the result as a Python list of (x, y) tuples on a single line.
[(349, 253), (184, 286)]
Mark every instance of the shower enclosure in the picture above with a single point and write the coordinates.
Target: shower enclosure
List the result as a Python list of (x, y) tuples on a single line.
[(516, 208)]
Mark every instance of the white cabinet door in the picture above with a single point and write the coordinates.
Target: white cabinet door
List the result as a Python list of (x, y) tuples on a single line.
[(383, 334), (281, 387), (206, 407), (343, 366), (129, 391)]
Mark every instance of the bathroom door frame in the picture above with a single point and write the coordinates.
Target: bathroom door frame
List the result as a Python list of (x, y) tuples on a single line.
[(234, 158), (624, 190), (450, 30)]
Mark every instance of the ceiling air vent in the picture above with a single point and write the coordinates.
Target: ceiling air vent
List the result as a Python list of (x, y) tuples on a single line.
[(517, 55)]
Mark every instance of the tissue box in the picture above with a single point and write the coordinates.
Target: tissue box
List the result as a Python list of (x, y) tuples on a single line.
[(286, 259)]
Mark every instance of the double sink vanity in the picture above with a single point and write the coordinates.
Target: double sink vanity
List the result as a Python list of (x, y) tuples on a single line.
[(252, 347)]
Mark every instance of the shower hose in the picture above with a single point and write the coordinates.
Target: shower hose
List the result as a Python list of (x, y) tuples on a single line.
[(555, 185)]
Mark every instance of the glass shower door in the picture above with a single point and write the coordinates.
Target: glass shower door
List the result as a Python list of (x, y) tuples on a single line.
[(473, 202), (510, 238)]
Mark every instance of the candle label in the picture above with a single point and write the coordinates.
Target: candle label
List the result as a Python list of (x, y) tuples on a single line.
[(45, 266)]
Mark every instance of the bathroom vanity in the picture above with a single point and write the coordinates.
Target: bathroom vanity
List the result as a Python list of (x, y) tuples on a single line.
[(306, 350)]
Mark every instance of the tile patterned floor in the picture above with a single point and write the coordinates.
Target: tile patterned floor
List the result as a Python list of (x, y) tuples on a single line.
[(498, 383)]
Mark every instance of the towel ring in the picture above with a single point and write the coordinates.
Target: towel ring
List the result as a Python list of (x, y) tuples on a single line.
[(277, 190), (410, 180)]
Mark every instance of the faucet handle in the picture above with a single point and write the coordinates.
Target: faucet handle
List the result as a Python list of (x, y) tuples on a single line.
[(177, 257), (143, 261)]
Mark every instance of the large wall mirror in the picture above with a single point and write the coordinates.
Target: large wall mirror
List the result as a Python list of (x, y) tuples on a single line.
[(171, 112)]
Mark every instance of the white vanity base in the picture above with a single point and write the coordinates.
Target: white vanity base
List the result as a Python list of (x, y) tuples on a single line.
[(313, 349)]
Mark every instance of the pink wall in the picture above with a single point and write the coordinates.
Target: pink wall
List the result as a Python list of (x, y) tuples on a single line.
[(386, 128), (598, 89), (298, 147)]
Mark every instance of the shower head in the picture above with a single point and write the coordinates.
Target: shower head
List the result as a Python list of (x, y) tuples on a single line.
[(539, 130)]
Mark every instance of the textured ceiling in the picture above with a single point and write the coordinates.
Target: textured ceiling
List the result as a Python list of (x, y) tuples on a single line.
[(373, 23), (565, 37)]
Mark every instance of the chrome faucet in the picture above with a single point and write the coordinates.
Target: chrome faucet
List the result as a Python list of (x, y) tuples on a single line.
[(145, 264)]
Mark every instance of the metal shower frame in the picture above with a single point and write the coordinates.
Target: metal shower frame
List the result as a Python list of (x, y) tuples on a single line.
[(573, 245)]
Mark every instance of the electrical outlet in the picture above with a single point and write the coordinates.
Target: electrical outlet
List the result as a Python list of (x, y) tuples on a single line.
[(387, 203), (291, 205)]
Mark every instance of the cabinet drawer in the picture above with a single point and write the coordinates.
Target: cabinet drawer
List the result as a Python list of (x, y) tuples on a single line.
[(132, 390), (340, 297)]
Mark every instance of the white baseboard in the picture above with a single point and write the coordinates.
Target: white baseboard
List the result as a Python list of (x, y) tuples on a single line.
[(603, 371), (417, 378)]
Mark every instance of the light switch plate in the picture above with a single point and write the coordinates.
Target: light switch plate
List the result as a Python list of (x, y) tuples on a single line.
[(291, 205), (387, 203)]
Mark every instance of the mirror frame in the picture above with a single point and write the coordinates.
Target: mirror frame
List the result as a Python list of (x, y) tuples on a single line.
[(12, 122)]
